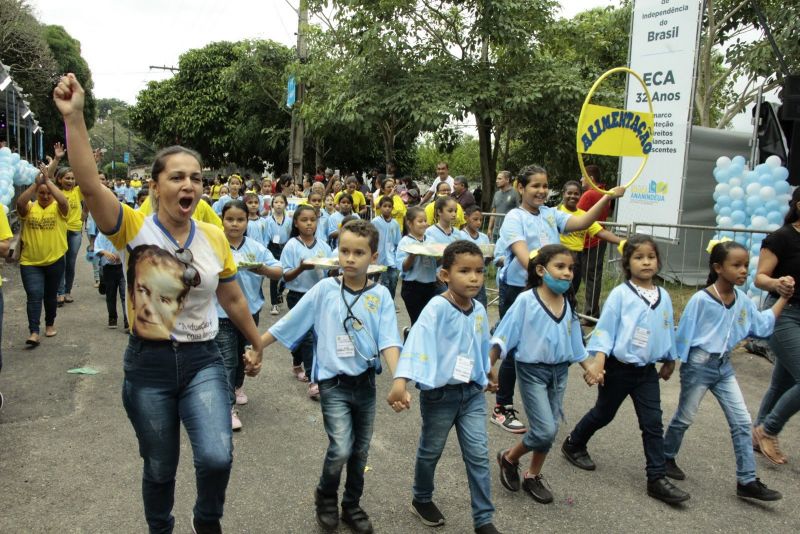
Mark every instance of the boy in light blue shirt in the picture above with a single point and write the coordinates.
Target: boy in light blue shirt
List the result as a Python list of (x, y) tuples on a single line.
[(354, 322), (109, 260), (390, 235)]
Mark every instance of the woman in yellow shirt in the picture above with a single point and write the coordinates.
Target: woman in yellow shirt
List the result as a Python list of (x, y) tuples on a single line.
[(65, 180), (399, 210), (44, 245)]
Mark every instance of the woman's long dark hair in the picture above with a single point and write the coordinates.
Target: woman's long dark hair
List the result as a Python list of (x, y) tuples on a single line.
[(794, 214), (547, 253)]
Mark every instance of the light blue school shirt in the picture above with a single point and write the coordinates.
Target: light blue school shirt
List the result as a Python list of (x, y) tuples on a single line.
[(538, 335), (91, 226), (293, 255), (442, 333), (250, 251), (256, 229), (103, 244), (281, 230), (423, 270), (120, 190), (130, 195), (536, 230), (334, 222), (714, 327), (624, 320), (322, 226), (323, 309), (389, 237), (482, 238), (435, 234)]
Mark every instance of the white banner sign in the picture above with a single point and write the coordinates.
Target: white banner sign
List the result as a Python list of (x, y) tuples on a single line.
[(664, 37)]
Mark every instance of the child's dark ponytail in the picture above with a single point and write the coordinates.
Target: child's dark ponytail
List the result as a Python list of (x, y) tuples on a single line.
[(543, 257), (717, 256)]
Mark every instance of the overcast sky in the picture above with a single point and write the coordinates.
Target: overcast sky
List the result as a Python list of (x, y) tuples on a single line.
[(120, 39)]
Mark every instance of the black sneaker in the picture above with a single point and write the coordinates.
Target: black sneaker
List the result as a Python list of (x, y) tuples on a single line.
[(577, 456), (101, 288), (673, 471), (538, 488), (506, 418), (488, 528), (428, 513), (509, 473), (205, 527), (357, 519), (757, 490), (664, 490), (112, 323), (327, 510)]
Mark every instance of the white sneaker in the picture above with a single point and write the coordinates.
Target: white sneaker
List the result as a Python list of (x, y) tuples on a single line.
[(241, 396), (274, 310), (236, 423)]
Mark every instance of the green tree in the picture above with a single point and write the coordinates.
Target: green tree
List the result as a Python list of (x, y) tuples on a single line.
[(67, 53), (117, 169)]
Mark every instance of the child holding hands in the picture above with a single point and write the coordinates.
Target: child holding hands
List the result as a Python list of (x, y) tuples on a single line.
[(635, 330)]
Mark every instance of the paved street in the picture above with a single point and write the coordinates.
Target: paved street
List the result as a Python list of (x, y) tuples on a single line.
[(69, 460)]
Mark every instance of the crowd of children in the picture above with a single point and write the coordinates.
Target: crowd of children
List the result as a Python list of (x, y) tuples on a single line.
[(338, 326)]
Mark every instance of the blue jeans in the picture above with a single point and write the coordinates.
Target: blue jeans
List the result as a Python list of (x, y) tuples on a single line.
[(167, 383), (507, 375), (464, 407), (542, 388), (41, 285), (782, 399), (641, 384), (389, 279), (348, 414), (73, 249), (231, 342), (704, 372)]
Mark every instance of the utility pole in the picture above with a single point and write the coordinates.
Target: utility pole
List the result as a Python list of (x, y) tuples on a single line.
[(113, 147), (297, 129)]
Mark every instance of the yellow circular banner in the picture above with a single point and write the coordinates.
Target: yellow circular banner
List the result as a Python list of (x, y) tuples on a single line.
[(614, 132)]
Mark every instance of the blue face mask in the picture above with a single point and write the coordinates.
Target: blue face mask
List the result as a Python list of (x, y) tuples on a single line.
[(559, 287)]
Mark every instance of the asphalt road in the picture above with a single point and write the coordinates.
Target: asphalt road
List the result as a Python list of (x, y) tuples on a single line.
[(69, 459)]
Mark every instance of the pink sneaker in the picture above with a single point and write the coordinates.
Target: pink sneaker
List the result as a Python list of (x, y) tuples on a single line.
[(299, 374), (236, 423), (313, 391), (241, 397)]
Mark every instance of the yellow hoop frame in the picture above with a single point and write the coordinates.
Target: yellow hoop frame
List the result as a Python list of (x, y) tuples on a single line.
[(583, 111)]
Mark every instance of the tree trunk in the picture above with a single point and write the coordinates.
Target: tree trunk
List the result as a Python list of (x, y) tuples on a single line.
[(319, 147), (488, 157), (388, 133)]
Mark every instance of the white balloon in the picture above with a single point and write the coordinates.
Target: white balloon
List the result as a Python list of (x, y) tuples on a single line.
[(767, 193), (752, 189), (735, 182), (737, 193), (722, 189), (727, 222), (759, 223), (773, 227), (773, 161), (723, 162)]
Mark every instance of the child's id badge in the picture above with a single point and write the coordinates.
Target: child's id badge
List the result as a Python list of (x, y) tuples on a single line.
[(544, 239), (276, 239), (463, 369), (345, 347), (640, 337)]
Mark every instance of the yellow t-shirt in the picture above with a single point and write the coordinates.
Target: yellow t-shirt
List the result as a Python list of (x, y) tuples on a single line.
[(398, 211), (202, 212), (359, 202), (215, 189), (5, 231), (574, 240), (136, 184), (75, 215), (460, 221), (44, 235), (161, 305)]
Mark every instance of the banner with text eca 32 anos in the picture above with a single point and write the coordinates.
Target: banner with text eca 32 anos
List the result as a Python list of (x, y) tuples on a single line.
[(663, 49)]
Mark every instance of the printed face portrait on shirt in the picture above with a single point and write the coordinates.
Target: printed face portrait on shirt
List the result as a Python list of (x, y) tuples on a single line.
[(156, 290)]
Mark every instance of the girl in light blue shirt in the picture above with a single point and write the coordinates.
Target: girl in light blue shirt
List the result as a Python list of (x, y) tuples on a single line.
[(276, 235), (300, 277), (418, 272), (714, 321), (543, 327)]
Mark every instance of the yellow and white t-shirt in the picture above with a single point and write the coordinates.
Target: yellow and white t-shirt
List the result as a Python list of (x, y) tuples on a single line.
[(202, 212), (44, 235), (5, 231), (75, 215), (161, 305), (574, 240)]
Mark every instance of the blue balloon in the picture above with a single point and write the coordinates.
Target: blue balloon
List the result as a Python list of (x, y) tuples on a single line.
[(727, 233), (782, 187), (716, 208), (738, 205), (722, 175), (763, 168), (739, 160), (765, 179), (753, 203), (14, 158), (715, 196), (780, 173), (750, 177), (724, 200), (760, 212), (738, 217), (774, 217), (725, 211)]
